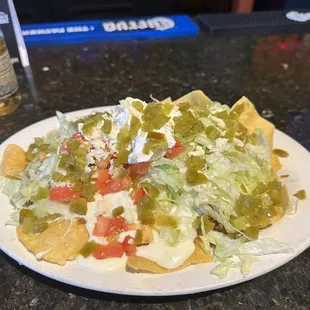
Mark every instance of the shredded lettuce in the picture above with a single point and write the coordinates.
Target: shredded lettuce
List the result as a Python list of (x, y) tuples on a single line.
[(264, 246), (48, 166), (14, 219), (246, 263), (205, 244), (163, 161), (221, 218), (11, 188), (227, 249), (36, 175), (40, 207), (167, 174), (53, 139), (222, 269), (66, 129), (169, 235)]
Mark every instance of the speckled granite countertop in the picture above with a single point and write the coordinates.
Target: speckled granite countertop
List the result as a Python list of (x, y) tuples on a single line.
[(274, 72)]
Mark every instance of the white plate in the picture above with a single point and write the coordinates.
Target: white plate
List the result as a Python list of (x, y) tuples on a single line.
[(294, 230)]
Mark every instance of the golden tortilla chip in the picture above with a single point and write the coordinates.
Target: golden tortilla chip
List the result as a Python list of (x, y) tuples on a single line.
[(250, 119), (13, 162), (276, 163), (167, 100), (143, 264), (194, 97), (280, 214), (60, 242)]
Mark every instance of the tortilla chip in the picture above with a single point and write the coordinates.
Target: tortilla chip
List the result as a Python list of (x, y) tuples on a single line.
[(147, 234), (194, 97), (143, 264), (167, 100), (276, 163), (250, 119), (13, 162), (62, 241)]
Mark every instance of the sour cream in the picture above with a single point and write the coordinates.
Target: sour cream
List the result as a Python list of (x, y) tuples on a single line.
[(137, 155)]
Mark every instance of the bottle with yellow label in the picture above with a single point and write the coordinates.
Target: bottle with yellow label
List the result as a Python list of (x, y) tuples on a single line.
[(10, 97)]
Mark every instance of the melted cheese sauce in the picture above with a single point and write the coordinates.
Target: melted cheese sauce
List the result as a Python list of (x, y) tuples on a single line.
[(160, 252), (102, 265), (167, 256), (170, 256), (104, 206), (111, 201)]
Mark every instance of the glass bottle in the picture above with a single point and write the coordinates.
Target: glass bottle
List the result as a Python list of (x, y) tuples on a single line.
[(10, 97)]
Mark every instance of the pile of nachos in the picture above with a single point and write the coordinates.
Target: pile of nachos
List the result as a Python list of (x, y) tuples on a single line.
[(149, 187)]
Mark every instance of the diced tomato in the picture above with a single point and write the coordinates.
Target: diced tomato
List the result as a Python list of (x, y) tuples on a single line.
[(106, 185), (63, 147), (175, 151), (118, 185), (129, 246), (139, 169), (76, 136), (103, 181), (109, 226), (103, 177), (105, 189), (102, 226), (139, 194), (113, 249), (63, 193)]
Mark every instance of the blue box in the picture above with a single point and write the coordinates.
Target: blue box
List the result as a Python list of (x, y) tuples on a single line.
[(109, 29)]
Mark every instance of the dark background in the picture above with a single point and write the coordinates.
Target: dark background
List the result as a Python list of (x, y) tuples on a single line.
[(38, 11)]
